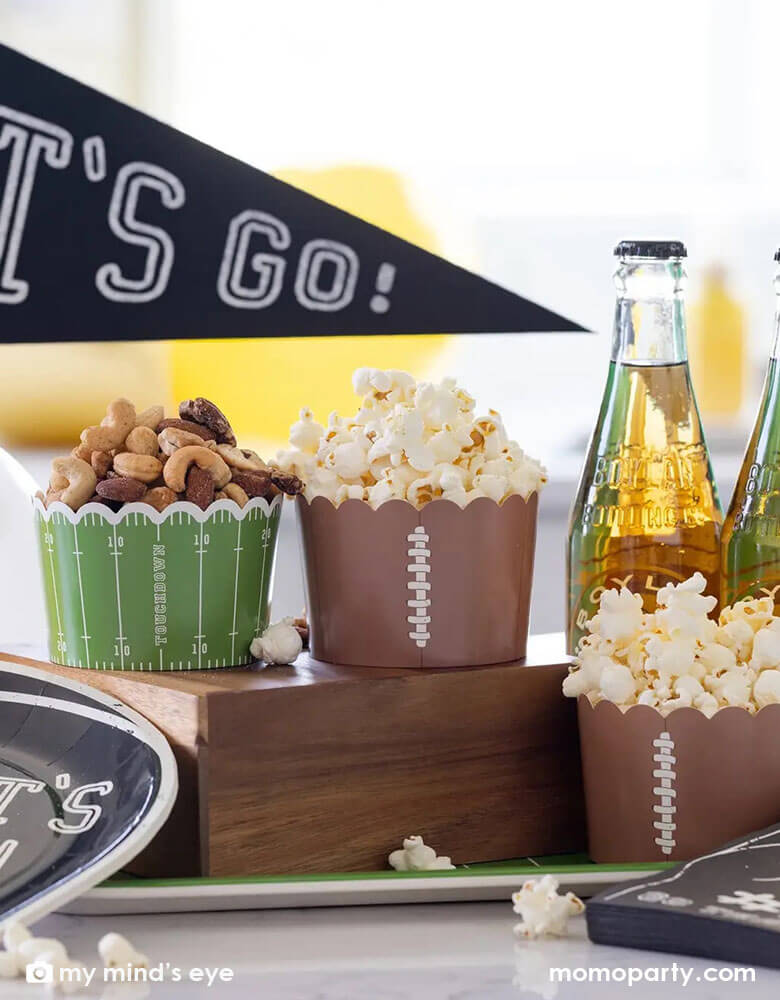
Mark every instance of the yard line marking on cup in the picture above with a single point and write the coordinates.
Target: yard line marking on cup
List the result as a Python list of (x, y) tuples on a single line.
[(78, 554), (418, 570), (264, 535), (50, 549), (121, 637), (200, 595), (238, 551), (665, 774)]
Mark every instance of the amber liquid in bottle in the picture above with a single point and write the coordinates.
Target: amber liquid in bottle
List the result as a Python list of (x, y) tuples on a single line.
[(646, 512)]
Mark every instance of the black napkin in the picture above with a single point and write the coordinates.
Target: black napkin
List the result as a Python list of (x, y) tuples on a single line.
[(724, 905)]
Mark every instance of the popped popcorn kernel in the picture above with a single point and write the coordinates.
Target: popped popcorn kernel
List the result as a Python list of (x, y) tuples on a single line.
[(543, 910), (416, 856), (679, 657), (412, 428)]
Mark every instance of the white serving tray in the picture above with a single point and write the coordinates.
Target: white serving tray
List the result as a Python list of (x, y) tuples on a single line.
[(467, 884)]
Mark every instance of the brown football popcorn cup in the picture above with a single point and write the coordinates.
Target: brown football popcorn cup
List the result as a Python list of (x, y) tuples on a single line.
[(672, 788), (400, 587)]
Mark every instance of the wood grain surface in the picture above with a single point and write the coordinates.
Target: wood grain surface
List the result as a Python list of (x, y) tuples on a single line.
[(318, 767)]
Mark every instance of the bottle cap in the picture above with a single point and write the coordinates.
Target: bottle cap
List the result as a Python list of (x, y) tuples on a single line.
[(659, 249)]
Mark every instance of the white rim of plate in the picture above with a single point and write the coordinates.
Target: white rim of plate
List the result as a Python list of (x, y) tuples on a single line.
[(140, 835)]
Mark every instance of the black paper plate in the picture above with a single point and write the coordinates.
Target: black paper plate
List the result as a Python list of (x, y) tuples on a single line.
[(85, 783)]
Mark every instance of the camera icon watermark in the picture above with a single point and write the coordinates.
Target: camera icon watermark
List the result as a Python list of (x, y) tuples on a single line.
[(41, 973)]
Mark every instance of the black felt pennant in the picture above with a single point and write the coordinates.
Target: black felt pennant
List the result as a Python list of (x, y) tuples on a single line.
[(114, 226)]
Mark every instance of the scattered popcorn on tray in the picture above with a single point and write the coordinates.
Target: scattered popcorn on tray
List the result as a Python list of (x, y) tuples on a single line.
[(414, 441), (679, 657), (279, 644), (415, 856), (543, 910)]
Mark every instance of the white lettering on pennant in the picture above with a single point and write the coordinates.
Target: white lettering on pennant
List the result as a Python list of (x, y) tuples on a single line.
[(27, 138), (131, 179), (308, 289), (94, 152), (269, 267)]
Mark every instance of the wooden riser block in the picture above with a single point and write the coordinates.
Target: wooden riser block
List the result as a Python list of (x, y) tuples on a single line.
[(319, 767)]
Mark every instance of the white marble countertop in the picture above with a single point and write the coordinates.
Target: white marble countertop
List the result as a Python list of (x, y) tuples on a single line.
[(457, 951)]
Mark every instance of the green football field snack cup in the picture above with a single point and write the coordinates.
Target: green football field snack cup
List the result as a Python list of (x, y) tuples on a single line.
[(184, 589)]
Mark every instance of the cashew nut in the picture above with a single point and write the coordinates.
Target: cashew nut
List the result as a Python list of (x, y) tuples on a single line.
[(144, 468), (160, 497), (142, 441), (171, 438), (81, 451), (101, 463), (246, 460), (234, 492), (150, 418), (113, 429), (75, 478), (177, 466)]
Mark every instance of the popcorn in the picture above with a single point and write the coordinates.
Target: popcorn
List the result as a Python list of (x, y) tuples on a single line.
[(766, 690), (766, 646), (409, 441), (669, 657), (354, 492), (678, 657), (280, 643), (348, 460), (305, 435), (382, 491), (620, 614), (422, 491), (618, 683), (494, 487), (740, 623), (415, 856), (587, 678), (543, 910), (117, 952), (9, 965), (14, 934), (683, 609), (734, 687)]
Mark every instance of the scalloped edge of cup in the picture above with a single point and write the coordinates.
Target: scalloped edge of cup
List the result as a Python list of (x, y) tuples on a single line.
[(351, 502), (614, 707), (155, 516)]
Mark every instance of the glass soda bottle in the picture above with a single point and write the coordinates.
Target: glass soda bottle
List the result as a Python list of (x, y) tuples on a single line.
[(646, 512), (751, 531)]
